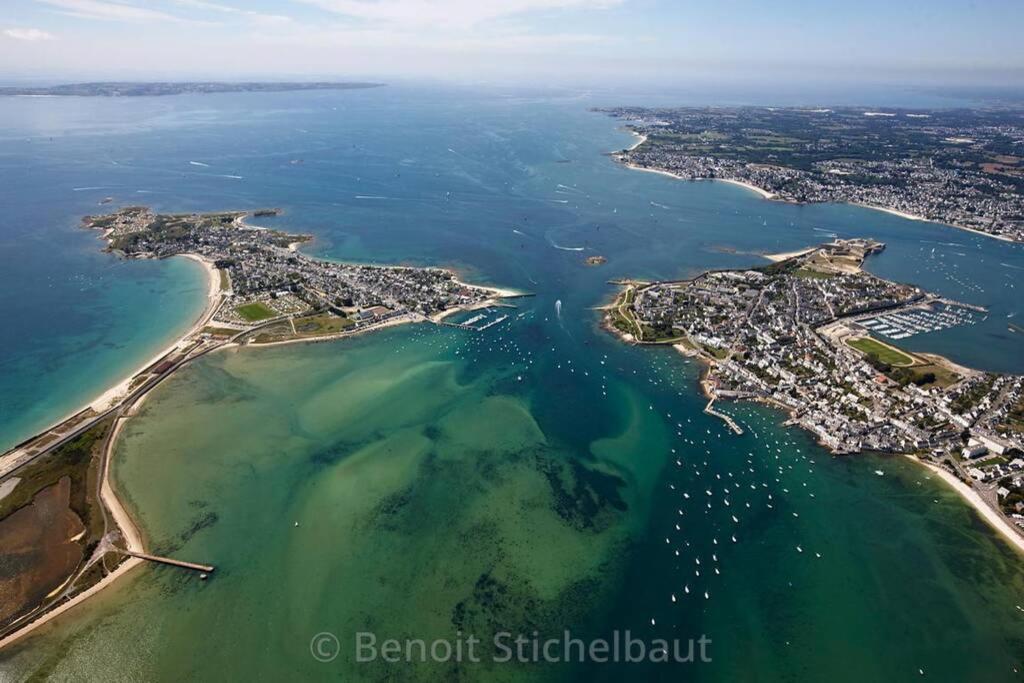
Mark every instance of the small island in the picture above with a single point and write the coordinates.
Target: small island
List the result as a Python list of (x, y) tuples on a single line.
[(813, 334), (596, 260)]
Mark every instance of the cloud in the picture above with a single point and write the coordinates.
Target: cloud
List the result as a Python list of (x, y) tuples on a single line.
[(257, 17), (112, 11), (427, 42), (30, 34), (453, 14)]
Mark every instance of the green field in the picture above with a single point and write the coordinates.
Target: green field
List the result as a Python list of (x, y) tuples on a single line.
[(812, 274), (255, 311), (324, 323), (220, 331), (883, 352)]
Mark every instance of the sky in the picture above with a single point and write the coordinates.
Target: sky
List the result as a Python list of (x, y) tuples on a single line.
[(966, 42)]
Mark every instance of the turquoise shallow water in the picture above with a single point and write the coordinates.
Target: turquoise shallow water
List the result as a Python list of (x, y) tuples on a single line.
[(524, 479)]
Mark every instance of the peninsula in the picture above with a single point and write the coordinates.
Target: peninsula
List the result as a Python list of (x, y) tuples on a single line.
[(152, 89), (262, 290), (809, 333), (961, 167)]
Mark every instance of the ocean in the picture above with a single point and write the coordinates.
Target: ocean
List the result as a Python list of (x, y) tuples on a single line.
[(427, 483)]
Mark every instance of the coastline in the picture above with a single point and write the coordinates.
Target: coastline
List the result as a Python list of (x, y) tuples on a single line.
[(407, 319), (130, 532), (117, 392), (765, 194), (786, 255), (994, 519), (108, 495), (107, 398), (641, 139), (914, 217), (985, 511)]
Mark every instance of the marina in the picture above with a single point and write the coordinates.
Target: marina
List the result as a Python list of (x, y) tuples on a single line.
[(919, 320)]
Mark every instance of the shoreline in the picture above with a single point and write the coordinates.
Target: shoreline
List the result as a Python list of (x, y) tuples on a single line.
[(407, 319), (123, 521), (915, 217), (125, 525), (108, 495), (107, 398), (786, 255), (765, 194), (972, 498), (641, 139), (995, 520)]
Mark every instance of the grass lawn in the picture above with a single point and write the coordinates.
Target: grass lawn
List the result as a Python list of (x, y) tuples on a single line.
[(883, 352), (220, 331), (255, 311), (812, 274), (321, 324), (225, 280), (943, 377)]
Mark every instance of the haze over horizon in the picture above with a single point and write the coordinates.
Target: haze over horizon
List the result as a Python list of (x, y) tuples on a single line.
[(609, 42)]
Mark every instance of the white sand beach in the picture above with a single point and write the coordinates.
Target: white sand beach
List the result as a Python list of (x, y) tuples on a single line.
[(994, 519), (786, 255), (753, 188)]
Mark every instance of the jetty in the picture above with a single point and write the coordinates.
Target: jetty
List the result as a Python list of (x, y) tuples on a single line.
[(461, 326), (194, 566), (710, 410)]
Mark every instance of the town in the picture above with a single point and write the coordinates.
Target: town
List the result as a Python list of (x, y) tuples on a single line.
[(264, 278), (792, 335), (962, 168)]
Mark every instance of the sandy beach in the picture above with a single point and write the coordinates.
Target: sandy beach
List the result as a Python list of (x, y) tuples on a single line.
[(993, 519), (496, 291), (641, 139), (120, 390), (130, 533), (110, 578), (913, 217), (753, 188), (786, 255), (768, 195)]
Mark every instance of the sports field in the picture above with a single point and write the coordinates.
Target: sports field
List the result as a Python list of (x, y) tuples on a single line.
[(255, 311)]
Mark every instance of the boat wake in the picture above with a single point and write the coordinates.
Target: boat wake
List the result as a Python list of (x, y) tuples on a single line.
[(559, 246)]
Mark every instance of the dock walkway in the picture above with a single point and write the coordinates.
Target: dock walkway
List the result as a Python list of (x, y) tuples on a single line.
[(207, 568), (710, 410)]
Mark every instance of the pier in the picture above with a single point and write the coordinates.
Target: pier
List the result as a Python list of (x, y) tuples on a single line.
[(461, 326), (710, 410), (206, 568), (492, 323)]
